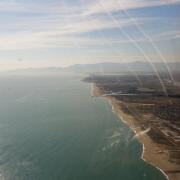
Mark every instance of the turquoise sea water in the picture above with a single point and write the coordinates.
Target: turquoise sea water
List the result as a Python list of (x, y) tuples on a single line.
[(52, 129)]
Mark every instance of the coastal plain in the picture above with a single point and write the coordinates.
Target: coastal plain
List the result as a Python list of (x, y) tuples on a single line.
[(151, 108)]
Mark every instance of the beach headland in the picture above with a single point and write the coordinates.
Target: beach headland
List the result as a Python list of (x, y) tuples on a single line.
[(157, 150)]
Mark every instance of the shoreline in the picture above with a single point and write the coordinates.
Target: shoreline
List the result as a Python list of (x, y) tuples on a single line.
[(136, 132), (152, 153), (143, 147)]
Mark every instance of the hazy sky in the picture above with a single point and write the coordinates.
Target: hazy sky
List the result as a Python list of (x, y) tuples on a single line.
[(35, 33)]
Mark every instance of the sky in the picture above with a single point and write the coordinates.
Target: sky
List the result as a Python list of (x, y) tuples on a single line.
[(53, 33)]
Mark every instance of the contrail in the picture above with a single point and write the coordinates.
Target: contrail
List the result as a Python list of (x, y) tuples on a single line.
[(150, 40), (136, 45), (128, 67), (140, 133), (111, 46)]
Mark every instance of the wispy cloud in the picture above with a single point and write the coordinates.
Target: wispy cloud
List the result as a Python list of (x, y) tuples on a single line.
[(35, 35), (80, 24), (100, 6), (54, 39)]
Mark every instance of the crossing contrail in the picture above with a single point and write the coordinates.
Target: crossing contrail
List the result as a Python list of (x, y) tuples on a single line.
[(149, 39), (136, 45), (141, 133)]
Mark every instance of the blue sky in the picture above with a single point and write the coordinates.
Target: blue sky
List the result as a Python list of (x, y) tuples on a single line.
[(41, 33)]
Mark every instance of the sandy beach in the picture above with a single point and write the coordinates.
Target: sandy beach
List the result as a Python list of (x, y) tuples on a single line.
[(154, 153)]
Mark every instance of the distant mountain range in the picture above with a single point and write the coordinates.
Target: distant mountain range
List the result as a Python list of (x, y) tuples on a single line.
[(109, 67)]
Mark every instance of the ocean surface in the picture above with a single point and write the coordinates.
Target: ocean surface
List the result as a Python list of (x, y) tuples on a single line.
[(52, 129)]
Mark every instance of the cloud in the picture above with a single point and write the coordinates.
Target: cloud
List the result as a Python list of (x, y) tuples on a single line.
[(46, 33), (57, 39), (40, 7), (64, 25), (91, 6), (57, 29), (103, 6)]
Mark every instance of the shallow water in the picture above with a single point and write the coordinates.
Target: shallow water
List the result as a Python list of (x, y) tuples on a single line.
[(52, 129)]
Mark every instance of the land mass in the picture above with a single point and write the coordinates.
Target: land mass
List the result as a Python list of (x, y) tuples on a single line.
[(151, 107), (109, 68)]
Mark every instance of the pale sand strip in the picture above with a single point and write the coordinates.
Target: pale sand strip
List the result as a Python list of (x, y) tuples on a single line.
[(153, 153)]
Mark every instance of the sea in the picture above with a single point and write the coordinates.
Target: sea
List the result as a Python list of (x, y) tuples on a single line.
[(52, 129)]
